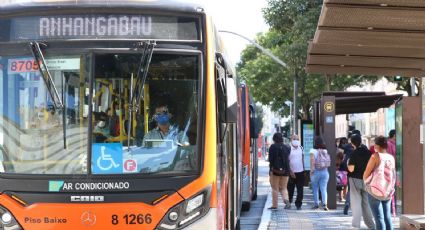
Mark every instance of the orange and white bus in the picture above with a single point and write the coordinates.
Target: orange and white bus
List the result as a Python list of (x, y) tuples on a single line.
[(116, 115), (249, 136)]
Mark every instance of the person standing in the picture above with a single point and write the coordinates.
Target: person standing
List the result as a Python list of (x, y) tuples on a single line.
[(319, 163), (296, 159), (391, 149), (279, 170), (381, 163), (348, 149), (358, 195)]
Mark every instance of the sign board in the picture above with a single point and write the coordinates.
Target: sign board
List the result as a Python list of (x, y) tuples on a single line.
[(29, 65), (63, 64), (107, 158), (329, 119), (329, 106), (307, 138), (99, 26)]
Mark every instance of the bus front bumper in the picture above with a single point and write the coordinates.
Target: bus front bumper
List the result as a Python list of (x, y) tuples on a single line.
[(207, 222)]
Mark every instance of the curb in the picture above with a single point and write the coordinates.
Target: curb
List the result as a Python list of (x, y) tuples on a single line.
[(267, 214)]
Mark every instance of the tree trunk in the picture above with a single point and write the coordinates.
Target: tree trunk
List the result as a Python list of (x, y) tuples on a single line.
[(328, 82)]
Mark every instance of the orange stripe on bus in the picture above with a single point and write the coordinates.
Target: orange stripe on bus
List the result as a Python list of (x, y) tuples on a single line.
[(160, 199), (19, 200)]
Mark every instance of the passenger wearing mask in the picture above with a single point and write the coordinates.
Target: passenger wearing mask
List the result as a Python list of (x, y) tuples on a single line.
[(164, 129), (358, 195), (296, 159)]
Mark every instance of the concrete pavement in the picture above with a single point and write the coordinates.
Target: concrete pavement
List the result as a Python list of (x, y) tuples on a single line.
[(306, 218)]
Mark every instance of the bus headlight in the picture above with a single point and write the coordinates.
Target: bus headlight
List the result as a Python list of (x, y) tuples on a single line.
[(6, 218), (195, 203), (187, 211), (7, 221)]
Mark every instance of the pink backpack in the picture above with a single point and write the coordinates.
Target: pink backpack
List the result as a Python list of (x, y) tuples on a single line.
[(323, 160), (380, 184)]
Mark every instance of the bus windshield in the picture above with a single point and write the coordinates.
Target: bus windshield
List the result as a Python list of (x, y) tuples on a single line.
[(98, 120)]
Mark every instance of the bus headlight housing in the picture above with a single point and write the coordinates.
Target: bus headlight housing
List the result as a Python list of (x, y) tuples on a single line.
[(7, 221), (195, 203), (187, 212)]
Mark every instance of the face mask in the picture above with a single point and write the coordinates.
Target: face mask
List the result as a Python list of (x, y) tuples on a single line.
[(101, 124), (162, 119), (295, 143)]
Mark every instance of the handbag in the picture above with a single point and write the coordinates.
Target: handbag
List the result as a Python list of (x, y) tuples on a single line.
[(278, 172)]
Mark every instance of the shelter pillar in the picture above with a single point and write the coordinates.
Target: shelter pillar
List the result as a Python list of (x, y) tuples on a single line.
[(411, 157), (327, 110)]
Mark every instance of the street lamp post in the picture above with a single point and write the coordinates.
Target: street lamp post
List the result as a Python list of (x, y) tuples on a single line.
[(289, 103), (280, 62)]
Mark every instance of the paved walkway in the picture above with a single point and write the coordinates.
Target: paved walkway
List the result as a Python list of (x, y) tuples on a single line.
[(306, 218)]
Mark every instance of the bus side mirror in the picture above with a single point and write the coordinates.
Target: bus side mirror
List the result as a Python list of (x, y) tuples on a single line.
[(232, 101), (227, 95), (253, 127)]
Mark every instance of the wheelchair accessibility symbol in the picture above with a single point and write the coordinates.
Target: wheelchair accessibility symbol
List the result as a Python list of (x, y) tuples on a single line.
[(105, 161), (107, 158)]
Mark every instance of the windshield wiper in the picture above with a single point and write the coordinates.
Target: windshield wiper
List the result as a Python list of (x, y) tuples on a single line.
[(45, 73), (142, 73), (50, 85)]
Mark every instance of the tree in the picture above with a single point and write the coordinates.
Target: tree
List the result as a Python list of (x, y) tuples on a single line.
[(293, 23)]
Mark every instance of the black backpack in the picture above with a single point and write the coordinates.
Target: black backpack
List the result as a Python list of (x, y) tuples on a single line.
[(279, 167)]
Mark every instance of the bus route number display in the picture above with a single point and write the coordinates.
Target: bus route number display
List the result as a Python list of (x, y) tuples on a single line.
[(24, 65), (130, 219)]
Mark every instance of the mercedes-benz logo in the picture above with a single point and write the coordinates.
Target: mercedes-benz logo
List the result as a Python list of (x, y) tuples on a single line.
[(88, 218)]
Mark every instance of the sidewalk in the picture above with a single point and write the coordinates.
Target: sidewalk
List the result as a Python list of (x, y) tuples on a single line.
[(285, 219)]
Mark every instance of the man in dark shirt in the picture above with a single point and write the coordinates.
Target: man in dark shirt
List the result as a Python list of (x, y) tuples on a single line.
[(358, 195)]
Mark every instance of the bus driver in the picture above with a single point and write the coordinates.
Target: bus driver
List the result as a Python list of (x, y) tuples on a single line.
[(164, 130)]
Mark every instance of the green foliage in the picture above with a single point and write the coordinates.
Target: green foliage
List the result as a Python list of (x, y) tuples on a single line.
[(292, 26)]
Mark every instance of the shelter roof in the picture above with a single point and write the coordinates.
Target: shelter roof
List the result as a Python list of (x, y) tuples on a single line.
[(361, 102), (372, 37)]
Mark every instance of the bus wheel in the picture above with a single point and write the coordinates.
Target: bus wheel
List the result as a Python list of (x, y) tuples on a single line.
[(246, 206)]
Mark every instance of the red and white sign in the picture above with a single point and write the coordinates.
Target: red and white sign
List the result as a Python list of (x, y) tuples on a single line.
[(130, 165), (23, 65)]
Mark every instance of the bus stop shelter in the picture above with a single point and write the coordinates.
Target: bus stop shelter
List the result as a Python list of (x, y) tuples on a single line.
[(375, 37), (336, 103)]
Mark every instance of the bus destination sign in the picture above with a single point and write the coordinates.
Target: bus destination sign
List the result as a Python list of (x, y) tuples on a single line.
[(99, 27), (95, 26)]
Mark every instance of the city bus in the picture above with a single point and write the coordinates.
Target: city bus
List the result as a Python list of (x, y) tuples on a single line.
[(249, 150), (116, 115)]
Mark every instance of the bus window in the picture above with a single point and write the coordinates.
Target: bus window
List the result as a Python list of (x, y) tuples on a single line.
[(35, 137), (157, 136)]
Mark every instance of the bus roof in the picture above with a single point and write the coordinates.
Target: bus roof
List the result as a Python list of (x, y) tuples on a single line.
[(10, 6)]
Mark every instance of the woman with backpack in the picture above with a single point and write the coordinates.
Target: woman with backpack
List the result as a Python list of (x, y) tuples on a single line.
[(380, 177), (279, 170), (319, 163)]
